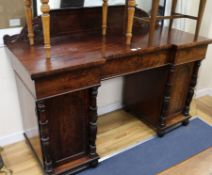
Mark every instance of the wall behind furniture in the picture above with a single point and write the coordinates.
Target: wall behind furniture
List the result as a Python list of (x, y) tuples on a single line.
[(10, 116), (205, 79), (204, 86), (6, 14)]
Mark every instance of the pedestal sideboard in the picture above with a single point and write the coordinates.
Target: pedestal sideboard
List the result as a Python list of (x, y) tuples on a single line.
[(58, 95)]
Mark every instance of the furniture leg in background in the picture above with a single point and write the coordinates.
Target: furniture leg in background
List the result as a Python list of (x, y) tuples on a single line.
[(104, 17), (131, 13), (28, 12), (3, 169)]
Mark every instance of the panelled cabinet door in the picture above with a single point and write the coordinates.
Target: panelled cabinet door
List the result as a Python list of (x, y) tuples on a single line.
[(68, 126), (179, 91)]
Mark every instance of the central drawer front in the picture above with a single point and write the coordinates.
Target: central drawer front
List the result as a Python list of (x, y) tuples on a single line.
[(128, 65)]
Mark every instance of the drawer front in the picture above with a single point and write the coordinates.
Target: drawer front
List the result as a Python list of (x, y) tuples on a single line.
[(123, 66), (186, 55), (67, 82)]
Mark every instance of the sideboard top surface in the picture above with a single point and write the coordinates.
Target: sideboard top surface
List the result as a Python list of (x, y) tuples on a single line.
[(81, 51)]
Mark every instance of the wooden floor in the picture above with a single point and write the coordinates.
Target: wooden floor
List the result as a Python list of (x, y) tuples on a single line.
[(193, 166), (117, 131)]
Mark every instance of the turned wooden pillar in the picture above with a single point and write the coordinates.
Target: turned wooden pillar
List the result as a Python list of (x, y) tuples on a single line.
[(153, 20), (28, 13), (199, 18), (46, 26), (166, 100), (131, 13), (173, 9), (104, 17)]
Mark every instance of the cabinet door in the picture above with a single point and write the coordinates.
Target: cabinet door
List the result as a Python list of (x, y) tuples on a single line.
[(68, 126), (143, 94), (180, 87)]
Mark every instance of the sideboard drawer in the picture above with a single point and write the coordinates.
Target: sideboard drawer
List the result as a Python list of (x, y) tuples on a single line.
[(185, 55), (122, 66), (67, 82)]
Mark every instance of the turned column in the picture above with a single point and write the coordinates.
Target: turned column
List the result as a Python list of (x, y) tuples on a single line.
[(173, 9), (199, 18), (104, 17), (46, 26), (93, 121), (44, 136), (28, 13), (131, 13), (153, 20)]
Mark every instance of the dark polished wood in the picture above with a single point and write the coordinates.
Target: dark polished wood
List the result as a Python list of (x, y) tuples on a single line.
[(44, 136), (160, 77)]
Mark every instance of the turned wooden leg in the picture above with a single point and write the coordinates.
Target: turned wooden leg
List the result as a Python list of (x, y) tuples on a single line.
[(104, 17), (131, 13), (46, 26), (199, 18), (94, 164), (28, 13), (161, 132), (153, 20), (174, 5), (185, 123)]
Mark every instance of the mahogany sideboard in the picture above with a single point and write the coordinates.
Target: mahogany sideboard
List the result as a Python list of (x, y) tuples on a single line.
[(58, 95)]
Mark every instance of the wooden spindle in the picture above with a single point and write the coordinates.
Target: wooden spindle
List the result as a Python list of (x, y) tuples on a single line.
[(104, 17), (93, 121), (28, 13), (131, 13), (173, 9), (199, 18), (46, 26), (153, 20)]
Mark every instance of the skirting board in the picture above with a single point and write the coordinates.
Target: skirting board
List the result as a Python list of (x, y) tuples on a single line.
[(203, 92), (109, 108), (10, 139)]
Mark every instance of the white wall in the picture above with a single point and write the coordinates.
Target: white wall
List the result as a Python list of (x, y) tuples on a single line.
[(205, 78), (10, 116)]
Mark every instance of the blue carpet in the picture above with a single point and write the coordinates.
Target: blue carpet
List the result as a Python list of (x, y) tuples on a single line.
[(158, 154)]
